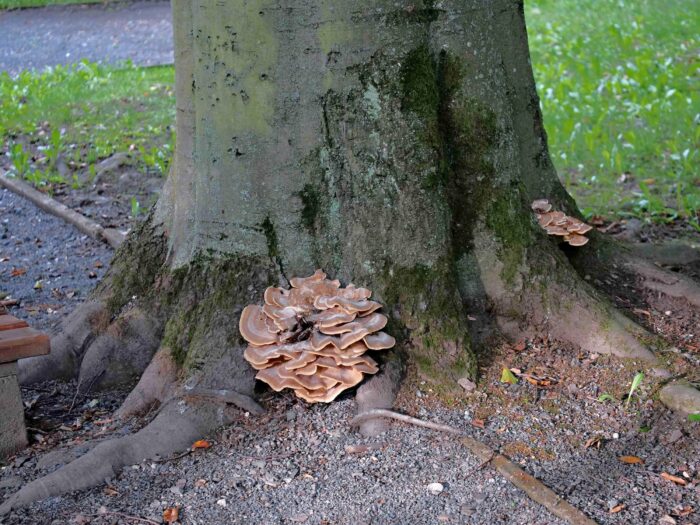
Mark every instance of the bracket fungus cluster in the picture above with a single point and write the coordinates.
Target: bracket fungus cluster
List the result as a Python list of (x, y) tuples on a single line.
[(313, 337), (558, 223)]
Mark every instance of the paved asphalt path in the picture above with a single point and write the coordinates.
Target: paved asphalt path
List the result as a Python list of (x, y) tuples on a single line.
[(110, 32)]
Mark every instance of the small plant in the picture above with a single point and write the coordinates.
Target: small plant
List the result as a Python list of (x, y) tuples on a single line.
[(694, 418), (20, 160), (135, 207), (636, 381), (605, 397)]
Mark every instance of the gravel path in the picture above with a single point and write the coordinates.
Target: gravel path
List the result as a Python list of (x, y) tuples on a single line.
[(111, 32), (46, 264)]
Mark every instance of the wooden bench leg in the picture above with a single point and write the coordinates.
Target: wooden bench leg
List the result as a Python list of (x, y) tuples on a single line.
[(13, 433)]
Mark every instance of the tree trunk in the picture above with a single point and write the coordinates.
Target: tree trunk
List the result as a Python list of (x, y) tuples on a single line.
[(395, 145)]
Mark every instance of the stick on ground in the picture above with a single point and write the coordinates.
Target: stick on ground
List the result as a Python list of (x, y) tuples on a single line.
[(534, 488), (89, 227)]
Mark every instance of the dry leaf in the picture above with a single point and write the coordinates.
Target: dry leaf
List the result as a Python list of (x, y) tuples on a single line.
[(685, 511), (520, 346), (479, 423), (617, 508), (110, 491), (201, 443), (200, 483), (171, 514), (631, 460), (595, 441), (16, 272), (356, 449), (677, 480)]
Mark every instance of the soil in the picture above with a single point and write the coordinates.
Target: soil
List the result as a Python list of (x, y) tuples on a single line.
[(303, 464), (110, 32)]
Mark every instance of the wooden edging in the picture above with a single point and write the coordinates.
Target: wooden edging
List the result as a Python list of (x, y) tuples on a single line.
[(535, 489), (111, 236)]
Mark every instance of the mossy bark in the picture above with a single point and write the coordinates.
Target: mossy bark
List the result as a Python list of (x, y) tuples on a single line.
[(396, 146)]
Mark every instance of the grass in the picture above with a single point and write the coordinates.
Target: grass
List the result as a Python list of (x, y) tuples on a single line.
[(73, 117), (619, 83), (15, 4)]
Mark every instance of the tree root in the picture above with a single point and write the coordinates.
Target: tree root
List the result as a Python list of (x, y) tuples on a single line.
[(175, 428), (379, 391), (78, 331), (666, 282), (534, 489)]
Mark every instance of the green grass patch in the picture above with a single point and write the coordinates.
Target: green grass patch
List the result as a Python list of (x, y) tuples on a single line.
[(76, 116), (16, 4), (618, 82)]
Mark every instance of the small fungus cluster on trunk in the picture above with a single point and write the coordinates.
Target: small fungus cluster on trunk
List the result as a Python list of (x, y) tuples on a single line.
[(558, 223), (313, 337)]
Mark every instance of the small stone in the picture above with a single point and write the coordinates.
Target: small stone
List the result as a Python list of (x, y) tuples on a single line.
[(221, 502), (466, 384), (667, 520), (673, 436), (616, 435), (435, 488), (11, 482), (291, 415)]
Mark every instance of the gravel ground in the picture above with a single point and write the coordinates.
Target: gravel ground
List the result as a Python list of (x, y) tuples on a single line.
[(46, 264), (110, 32), (303, 464)]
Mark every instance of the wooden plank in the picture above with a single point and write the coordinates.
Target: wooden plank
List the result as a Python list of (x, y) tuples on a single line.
[(9, 322), (22, 342)]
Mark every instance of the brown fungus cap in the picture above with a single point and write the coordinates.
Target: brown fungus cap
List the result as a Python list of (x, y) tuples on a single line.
[(558, 223), (313, 337)]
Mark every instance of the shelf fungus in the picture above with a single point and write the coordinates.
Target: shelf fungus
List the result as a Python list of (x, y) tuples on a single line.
[(558, 223), (313, 337)]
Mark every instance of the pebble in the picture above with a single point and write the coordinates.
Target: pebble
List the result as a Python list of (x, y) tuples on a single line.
[(435, 488)]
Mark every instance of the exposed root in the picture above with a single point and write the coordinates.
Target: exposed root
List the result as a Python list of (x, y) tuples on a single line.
[(681, 397), (78, 331), (379, 392), (548, 296), (175, 428), (121, 353), (666, 282), (231, 397), (673, 254), (535, 489), (155, 385)]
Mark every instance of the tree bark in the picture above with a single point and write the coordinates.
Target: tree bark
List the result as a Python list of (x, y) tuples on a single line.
[(396, 145)]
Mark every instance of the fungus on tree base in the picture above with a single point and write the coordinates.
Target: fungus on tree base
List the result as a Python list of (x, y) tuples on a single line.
[(558, 223), (313, 337)]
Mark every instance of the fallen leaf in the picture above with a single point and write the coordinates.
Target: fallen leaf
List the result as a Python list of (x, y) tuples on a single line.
[(595, 441), (479, 423), (110, 491), (16, 272), (667, 520), (508, 377), (171, 514), (520, 346), (677, 480), (617, 508), (201, 443), (200, 483), (356, 449), (684, 511), (631, 460), (98, 264)]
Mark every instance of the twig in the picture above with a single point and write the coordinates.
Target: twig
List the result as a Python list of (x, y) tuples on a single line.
[(77, 390), (534, 488), (8, 302), (126, 517), (87, 226), (182, 455)]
